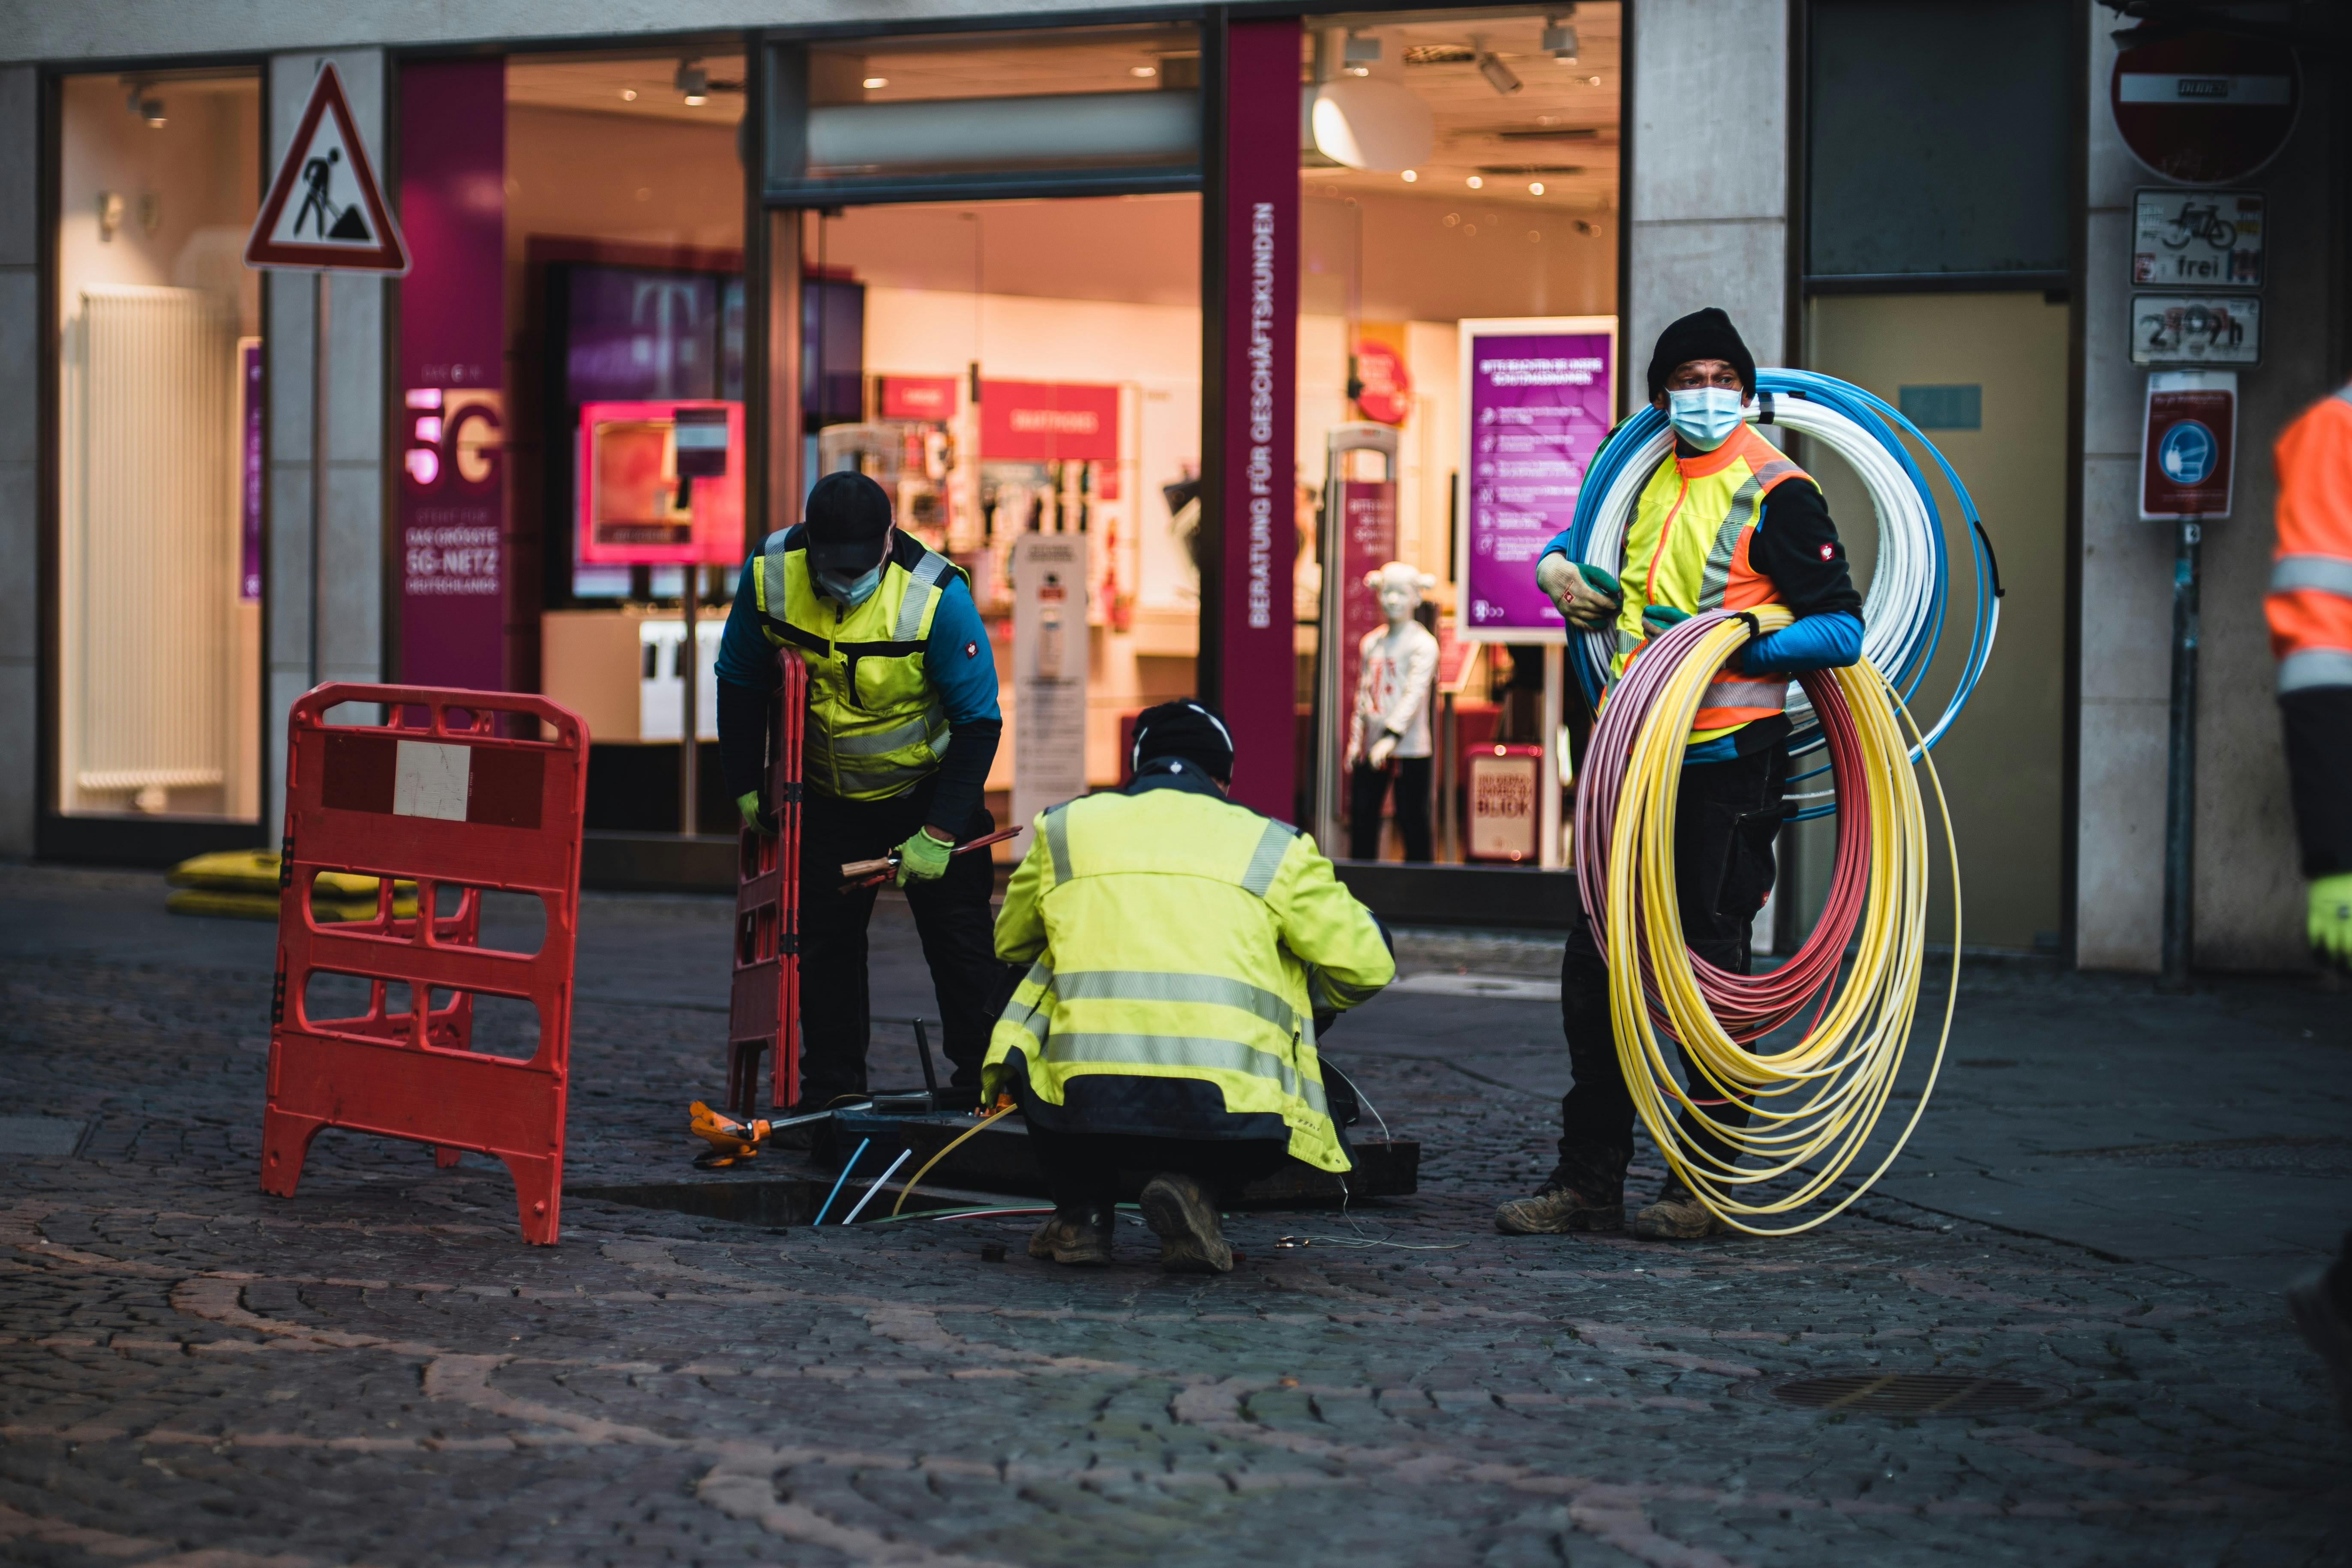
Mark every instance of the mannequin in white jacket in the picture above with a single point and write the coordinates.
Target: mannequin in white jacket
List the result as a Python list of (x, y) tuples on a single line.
[(1389, 731)]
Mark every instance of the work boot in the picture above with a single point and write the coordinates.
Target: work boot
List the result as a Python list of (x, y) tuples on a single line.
[(1557, 1210), (1181, 1215), (1075, 1236), (1677, 1215)]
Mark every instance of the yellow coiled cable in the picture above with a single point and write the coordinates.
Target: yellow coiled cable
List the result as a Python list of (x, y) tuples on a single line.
[(1816, 1104)]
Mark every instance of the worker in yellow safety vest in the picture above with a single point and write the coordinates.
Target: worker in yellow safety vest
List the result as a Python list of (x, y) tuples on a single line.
[(1727, 522), (1179, 947), (2310, 612), (900, 728)]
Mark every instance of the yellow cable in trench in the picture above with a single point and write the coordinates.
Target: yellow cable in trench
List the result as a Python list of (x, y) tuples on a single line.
[(1816, 1102), (924, 1170)]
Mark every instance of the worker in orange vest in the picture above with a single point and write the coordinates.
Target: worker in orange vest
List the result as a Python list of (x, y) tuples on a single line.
[(2310, 611)]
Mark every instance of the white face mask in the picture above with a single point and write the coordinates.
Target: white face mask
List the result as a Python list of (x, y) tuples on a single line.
[(1704, 416)]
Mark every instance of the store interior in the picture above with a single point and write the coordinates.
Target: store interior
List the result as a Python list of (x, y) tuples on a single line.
[(159, 558), (1019, 366)]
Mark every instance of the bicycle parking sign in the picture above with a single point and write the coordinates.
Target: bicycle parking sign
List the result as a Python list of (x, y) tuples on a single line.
[(2198, 239)]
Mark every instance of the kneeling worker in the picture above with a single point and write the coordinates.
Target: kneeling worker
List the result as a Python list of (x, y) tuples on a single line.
[(898, 667), (1179, 947), (1725, 523)]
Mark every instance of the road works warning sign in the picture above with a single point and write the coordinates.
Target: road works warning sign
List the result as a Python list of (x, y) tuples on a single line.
[(325, 211)]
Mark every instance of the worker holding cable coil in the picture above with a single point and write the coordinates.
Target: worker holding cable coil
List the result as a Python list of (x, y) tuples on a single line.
[(1179, 950), (1726, 522)]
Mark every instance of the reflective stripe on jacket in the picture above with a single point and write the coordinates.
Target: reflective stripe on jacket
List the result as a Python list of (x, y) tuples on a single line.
[(1173, 935), (2310, 603), (875, 728), (1687, 548)]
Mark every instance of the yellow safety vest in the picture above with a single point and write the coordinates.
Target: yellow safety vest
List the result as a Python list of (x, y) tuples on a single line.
[(1687, 547), (1172, 935), (875, 726)]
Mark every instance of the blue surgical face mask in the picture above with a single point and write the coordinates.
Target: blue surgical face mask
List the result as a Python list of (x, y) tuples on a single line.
[(1704, 416), (851, 591)]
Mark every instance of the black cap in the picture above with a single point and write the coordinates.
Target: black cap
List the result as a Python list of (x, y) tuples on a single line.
[(1185, 730), (848, 518), (1702, 334)]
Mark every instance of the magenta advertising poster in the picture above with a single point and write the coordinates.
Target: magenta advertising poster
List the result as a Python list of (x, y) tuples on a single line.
[(1540, 392), (453, 602)]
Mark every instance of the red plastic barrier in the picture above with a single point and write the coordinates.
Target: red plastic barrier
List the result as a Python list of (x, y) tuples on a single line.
[(764, 1006), (436, 797)]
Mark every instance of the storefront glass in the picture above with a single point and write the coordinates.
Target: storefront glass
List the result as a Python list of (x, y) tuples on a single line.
[(159, 479), (1459, 171)]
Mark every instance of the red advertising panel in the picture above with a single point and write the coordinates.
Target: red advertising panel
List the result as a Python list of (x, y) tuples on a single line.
[(660, 483), (1043, 421), (919, 397), (2189, 444)]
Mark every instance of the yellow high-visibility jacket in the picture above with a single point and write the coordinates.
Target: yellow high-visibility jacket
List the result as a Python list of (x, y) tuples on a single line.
[(1179, 946)]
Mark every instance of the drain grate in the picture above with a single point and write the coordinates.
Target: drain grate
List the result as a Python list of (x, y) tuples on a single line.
[(1910, 1394)]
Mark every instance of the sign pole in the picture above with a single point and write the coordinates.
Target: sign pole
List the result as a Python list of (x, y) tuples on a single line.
[(2180, 782), (319, 368), (690, 663)]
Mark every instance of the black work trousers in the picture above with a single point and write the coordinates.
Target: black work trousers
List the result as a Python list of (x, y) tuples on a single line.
[(1082, 1168), (1367, 786), (1726, 819), (951, 917)]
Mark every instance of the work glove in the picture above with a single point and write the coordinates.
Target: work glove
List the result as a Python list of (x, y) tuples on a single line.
[(2331, 920), (748, 805), (1658, 619), (1587, 596), (1383, 747), (923, 859)]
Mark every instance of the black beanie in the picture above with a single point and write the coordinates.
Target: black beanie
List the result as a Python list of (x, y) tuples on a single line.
[(1702, 334), (847, 516), (1185, 730)]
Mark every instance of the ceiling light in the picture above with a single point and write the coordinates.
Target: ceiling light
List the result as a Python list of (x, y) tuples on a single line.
[(1410, 175), (1143, 70), (1360, 50), (1498, 76), (1560, 40), (693, 83), (628, 95), (872, 82), (1535, 187), (1477, 183), (151, 109)]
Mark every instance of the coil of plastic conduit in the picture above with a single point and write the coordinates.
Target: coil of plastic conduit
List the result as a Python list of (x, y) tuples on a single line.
[(1816, 1104), (1904, 609)]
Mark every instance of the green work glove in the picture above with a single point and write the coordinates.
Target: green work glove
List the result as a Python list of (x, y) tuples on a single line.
[(2331, 919), (1657, 618), (923, 859), (1603, 579), (748, 805)]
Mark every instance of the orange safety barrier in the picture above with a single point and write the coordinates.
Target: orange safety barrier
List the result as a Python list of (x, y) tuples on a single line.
[(764, 1006), (436, 797)]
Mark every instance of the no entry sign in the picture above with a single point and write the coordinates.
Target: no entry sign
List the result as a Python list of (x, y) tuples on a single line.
[(2204, 108), (2187, 444)]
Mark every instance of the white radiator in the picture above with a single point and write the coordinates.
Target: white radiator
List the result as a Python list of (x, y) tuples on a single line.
[(149, 544)]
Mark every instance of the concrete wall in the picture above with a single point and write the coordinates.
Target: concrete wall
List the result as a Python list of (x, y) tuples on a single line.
[(1706, 181), (20, 425), (350, 617), (2249, 896)]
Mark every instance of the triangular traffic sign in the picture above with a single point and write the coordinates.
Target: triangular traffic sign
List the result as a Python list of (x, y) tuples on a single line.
[(325, 212)]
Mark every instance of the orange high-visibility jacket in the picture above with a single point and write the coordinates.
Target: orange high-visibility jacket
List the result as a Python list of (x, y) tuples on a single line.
[(2310, 604)]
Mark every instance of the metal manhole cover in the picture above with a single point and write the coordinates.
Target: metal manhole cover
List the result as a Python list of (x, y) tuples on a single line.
[(1911, 1394)]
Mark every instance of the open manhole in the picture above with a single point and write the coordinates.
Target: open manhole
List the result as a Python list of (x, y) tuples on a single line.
[(1911, 1394)]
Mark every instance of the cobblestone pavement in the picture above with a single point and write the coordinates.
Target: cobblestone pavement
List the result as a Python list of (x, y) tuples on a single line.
[(379, 1372)]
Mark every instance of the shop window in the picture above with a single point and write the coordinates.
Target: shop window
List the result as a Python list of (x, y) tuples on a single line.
[(160, 480), (1458, 170), (1118, 103)]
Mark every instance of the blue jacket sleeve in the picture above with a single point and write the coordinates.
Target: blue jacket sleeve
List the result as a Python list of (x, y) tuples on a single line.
[(958, 659), (1830, 641), (1559, 543), (744, 656)]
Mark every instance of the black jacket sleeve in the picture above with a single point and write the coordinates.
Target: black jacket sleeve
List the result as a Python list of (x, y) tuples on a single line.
[(2318, 766), (742, 738), (964, 777), (1797, 546)]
